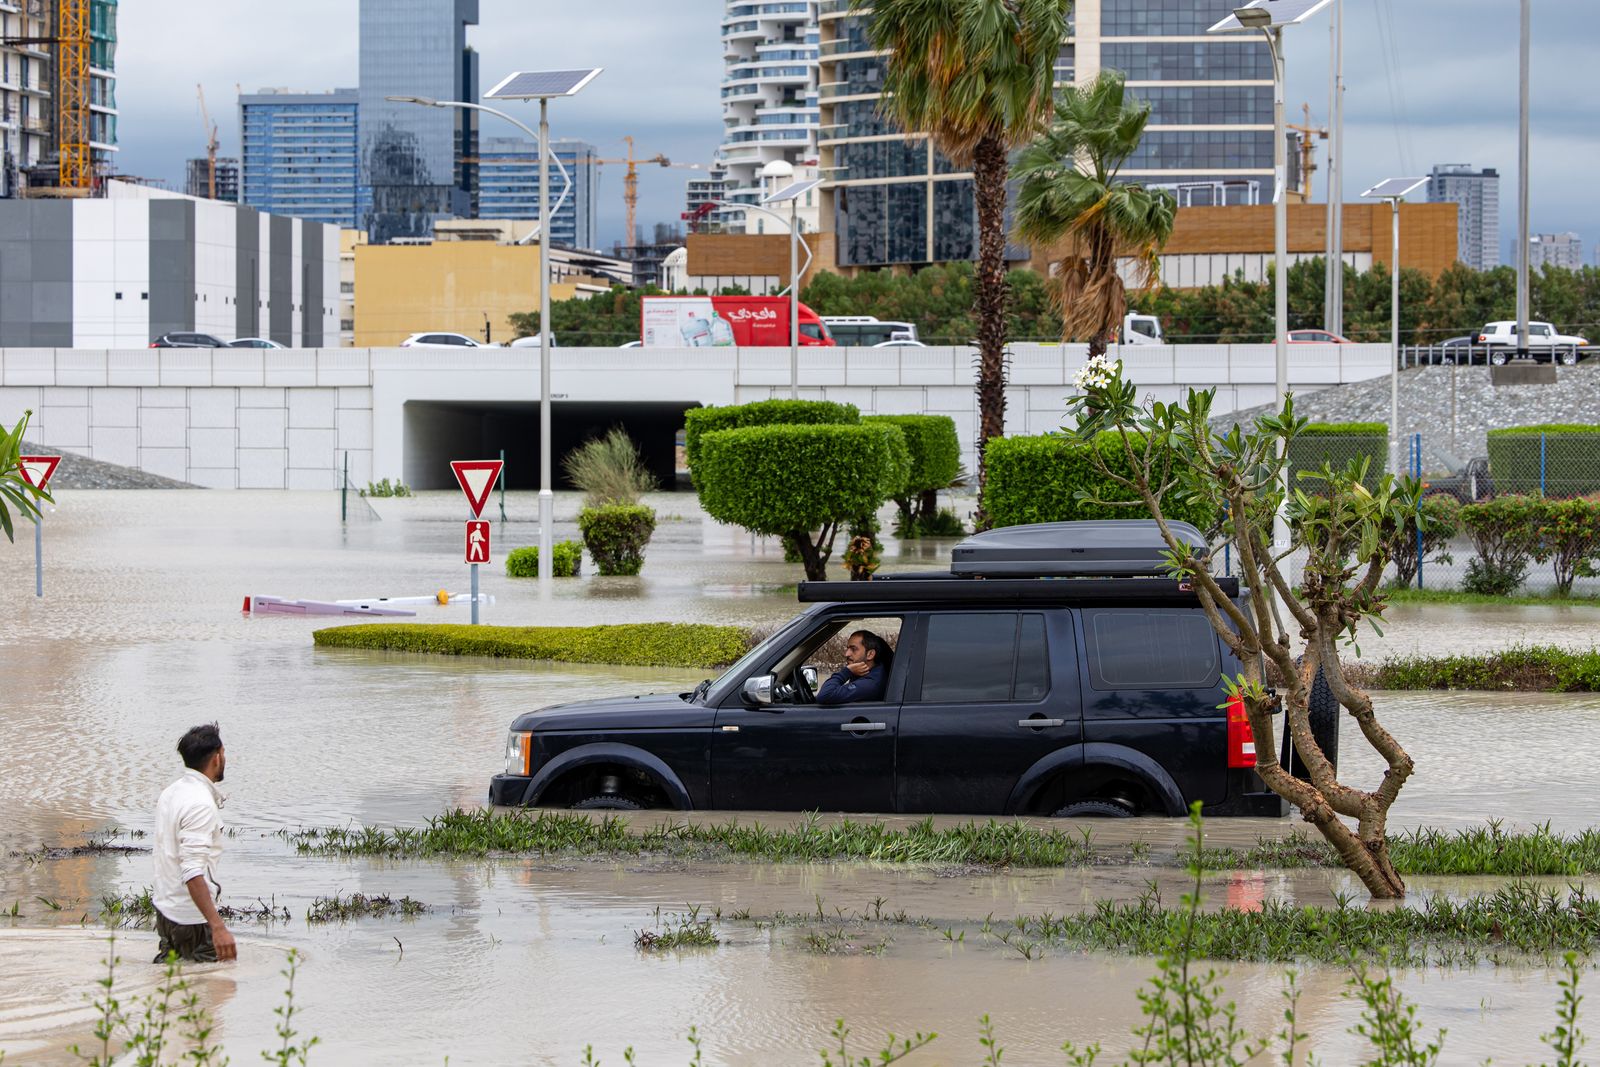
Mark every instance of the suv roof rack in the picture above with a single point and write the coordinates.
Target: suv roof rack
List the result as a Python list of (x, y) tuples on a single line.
[(924, 590), (1106, 548)]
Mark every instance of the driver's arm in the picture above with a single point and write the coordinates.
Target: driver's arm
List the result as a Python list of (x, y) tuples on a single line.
[(842, 688)]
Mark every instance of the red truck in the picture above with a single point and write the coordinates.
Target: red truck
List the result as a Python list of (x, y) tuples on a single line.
[(725, 321)]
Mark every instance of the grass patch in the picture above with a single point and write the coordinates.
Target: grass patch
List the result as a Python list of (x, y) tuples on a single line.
[(677, 931), (1488, 850), (485, 832), (1517, 919), (654, 644), (1521, 668), (138, 910), (339, 909), (1410, 595)]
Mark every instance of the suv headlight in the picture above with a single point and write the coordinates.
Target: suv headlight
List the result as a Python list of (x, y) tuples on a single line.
[(519, 753)]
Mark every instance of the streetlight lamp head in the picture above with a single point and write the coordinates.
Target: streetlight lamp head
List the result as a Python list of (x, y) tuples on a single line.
[(1254, 18), (422, 100)]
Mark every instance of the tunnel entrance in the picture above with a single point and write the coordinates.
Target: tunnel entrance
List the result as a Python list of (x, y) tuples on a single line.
[(437, 432)]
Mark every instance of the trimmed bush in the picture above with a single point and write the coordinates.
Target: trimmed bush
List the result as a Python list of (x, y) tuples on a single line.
[(653, 644), (697, 422), (615, 536), (1567, 534), (1336, 444), (1036, 479), (1571, 460), (1441, 522), (524, 562), (1503, 533), (801, 483), (935, 453)]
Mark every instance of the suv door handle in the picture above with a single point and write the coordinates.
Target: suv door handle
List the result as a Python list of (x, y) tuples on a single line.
[(863, 727), (1039, 724)]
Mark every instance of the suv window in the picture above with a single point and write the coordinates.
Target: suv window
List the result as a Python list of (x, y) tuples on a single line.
[(1151, 649), (981, 657), (1538, 329)]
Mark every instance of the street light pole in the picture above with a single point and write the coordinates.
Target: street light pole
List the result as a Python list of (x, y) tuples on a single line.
[(1394, 190), (794, 299), (1280, 256), (547, 498), (1523, 160), (1333, 304)]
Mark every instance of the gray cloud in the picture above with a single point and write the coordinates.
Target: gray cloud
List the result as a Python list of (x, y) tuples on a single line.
[(1457, 69)]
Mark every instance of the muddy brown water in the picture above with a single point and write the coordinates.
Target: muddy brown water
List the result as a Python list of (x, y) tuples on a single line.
[(139, 637)]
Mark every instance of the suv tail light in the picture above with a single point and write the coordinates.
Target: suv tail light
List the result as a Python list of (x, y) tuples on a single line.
[(1241, 739)]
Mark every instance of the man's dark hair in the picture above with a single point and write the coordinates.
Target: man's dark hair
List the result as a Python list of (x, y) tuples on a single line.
[(198, 744), (883, 655)]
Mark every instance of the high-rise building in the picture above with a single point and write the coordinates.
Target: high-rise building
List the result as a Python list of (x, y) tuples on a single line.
[(1476, 194), (701, 196), (508, 186), (1555, 250), (412, 157), (197, 179), (301, 155), (894, 199), (30, 90), (769, 95)]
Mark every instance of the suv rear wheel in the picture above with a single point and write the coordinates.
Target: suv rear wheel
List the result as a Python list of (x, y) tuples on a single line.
[(1498, 356), (1323, 712), (608, 803), (1094, 809)]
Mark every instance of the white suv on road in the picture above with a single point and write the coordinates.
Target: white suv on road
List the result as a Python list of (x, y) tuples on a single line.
[(1543, 343)]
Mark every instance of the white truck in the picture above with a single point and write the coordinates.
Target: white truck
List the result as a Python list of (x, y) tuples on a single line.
[(1140, 329)]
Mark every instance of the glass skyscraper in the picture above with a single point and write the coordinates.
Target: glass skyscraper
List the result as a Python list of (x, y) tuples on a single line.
[(508, 186), (301, 154), (411, 156), (894, 200)]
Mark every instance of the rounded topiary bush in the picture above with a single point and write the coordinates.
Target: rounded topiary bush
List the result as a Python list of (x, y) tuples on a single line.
[(567, 557), (615, 536)]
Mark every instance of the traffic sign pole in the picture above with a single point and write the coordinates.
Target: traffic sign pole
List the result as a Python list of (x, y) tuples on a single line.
[(474, 594), (37, 472), (477, 478), (38, 555)]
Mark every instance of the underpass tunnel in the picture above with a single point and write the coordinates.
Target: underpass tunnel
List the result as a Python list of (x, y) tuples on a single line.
[(437, 432)]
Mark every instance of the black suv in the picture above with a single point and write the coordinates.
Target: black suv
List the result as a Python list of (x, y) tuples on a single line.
[(1049, 672), (188, 340)]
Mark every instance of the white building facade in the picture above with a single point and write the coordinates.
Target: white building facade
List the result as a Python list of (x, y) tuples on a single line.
[(1476, 194), (1555, 250)]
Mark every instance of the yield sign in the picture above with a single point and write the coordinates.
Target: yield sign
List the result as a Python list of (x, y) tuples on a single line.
[(38, 470), (476, 478)]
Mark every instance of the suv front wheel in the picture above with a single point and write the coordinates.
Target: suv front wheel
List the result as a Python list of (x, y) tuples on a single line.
[(1094, 809), (608, 803)]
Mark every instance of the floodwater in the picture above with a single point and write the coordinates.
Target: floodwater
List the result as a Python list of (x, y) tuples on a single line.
[(139, 636)]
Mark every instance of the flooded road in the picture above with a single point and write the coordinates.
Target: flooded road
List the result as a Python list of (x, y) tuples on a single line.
[(139, 637)]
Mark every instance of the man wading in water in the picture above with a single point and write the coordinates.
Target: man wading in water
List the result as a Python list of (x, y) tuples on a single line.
[(188, 849)]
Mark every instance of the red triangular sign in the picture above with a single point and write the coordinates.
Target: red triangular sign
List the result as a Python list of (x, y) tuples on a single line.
[(476, 478), (38, 470)]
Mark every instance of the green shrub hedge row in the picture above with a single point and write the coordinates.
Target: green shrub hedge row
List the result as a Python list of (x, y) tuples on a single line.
[(1569, 455), (697, 422), (1509, 532), (1336, 444), (1036, 479), (656, 644), (524, 562)]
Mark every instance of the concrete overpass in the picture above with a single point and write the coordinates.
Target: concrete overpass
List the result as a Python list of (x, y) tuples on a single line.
[(248, 418)]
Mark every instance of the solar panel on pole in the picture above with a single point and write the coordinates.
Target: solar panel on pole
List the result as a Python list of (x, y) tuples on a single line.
[(1394, 188), (541, 84), (1284, 13), (792, 192)]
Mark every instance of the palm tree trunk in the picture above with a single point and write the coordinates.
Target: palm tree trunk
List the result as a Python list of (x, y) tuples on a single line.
[(990, 166)]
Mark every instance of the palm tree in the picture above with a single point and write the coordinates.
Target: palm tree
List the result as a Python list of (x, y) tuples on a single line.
[(976, 76), (1069, 192), (15, 490)]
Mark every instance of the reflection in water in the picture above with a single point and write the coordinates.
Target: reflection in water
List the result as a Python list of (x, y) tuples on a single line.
[(140, 637)]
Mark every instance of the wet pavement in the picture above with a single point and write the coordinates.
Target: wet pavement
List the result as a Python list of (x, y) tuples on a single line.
[(140, 636)]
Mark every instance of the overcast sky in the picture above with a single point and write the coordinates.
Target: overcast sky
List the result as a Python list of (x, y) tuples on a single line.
[(1448, 95)]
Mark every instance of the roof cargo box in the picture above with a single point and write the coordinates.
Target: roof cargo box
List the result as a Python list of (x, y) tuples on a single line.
[(1112, 548)]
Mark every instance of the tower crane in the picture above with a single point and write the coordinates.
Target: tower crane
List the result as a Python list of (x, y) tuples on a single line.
[(1308, 151), (630, 181), (211, 144), (71, 41)]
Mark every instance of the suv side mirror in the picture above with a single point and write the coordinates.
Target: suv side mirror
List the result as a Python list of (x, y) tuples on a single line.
[(809, 673), (758, 690)]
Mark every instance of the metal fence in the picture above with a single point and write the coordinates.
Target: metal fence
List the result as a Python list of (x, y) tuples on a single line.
[(1470, 353)]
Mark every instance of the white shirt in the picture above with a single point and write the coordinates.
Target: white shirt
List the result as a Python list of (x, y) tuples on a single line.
[(188, 842)]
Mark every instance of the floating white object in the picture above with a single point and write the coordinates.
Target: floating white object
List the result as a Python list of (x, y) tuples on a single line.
[(273, 605), (442, 597)]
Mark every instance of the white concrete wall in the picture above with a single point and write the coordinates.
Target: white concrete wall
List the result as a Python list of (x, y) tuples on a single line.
[(284, 419)]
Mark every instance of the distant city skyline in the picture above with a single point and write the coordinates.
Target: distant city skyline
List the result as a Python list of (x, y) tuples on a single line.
[(664, 68)]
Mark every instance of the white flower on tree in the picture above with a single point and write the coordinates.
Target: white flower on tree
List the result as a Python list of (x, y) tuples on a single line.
[(1098, 373)]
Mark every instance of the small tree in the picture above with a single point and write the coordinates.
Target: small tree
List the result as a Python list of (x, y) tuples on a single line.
[(935, 453), (1441, 522), (615, 526), (15, 492), (801, 483), (1173, 455)]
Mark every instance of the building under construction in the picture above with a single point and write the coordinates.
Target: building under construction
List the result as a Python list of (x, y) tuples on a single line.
[(58, 102)]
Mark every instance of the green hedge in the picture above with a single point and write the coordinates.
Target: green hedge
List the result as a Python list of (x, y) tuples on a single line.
[(698, 422), (653, 644), (524, 562), (1034, 479), (776, 480), (934, 449), (1571, 460), (615, 536), (1337, 443)]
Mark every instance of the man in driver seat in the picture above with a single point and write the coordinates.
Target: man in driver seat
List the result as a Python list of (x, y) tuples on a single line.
[(865, 674)]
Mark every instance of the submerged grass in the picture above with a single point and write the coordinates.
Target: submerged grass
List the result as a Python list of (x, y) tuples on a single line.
[(1486, 850), (338, 908), (677, 931)]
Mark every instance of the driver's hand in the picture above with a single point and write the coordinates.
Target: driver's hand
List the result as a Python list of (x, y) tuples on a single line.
[(861, 669)]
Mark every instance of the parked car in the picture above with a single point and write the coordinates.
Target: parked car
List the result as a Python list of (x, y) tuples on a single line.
[(442, 340), (1008, 692), (254, 342), (1316, 337), (899, 343), (534, 341), (1468, 482), (188, 340), (1463, 350), (1544, 343)]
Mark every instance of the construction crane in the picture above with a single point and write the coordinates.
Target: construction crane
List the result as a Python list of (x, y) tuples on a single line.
[(212, 144), (630, 183), (1308, 151), (71, 41)]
